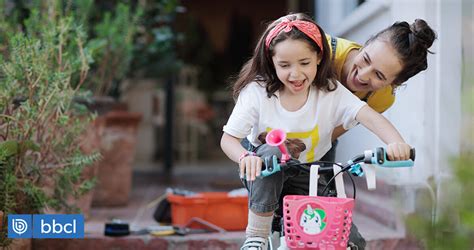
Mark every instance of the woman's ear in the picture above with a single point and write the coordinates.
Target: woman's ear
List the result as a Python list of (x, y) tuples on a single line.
[(320, 58)]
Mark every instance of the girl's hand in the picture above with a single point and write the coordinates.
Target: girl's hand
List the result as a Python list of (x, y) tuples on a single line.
[(398, 151), (251, 166)]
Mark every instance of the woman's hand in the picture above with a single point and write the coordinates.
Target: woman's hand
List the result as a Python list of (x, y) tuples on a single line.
[(251, 166), (398, 151)]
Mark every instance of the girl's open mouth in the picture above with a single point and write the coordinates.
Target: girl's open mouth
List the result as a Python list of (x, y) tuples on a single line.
[(297, 85)]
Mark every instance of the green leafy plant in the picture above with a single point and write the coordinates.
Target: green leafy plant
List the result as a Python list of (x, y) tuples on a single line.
[(156, 39), (113, 39), (453, 228), (41, 73)]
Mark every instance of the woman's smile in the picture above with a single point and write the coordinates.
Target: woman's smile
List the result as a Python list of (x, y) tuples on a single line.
[(356, 84)]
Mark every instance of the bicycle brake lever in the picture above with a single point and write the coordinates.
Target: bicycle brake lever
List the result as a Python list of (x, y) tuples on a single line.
[(379, 157), (271, 166)]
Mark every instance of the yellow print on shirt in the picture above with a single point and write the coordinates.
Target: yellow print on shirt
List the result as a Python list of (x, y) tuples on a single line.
[(313, 135)]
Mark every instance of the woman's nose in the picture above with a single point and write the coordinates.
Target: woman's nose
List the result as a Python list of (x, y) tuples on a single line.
[(364, 74)]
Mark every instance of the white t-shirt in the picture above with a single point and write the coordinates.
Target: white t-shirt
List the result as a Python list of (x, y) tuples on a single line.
[(313, 123)]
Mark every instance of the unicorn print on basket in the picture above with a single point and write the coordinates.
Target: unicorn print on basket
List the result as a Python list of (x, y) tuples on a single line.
[(312, 220)]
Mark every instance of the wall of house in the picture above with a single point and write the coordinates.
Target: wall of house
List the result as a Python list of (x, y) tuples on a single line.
[(427, 110)]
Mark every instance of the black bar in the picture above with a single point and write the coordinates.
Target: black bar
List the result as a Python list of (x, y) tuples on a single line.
[(168, 137)]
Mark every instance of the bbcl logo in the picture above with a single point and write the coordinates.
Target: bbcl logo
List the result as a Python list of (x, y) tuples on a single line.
[(45, 226), (19, 225)]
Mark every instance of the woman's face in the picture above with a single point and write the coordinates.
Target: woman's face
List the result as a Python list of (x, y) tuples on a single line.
[(375, 67), (296, 64)]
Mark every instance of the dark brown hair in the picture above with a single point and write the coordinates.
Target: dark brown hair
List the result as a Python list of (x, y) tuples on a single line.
[(411, 43), (260, 67)]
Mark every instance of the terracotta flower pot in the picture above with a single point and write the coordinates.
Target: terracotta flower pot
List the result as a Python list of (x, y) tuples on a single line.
[(89, 143), (118, 149), (1, 220), (21, 244)]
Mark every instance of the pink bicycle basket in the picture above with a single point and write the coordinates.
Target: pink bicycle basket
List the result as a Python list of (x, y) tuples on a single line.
[(317, 222)]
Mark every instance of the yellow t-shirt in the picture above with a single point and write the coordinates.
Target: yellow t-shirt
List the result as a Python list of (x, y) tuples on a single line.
[(379, 100)]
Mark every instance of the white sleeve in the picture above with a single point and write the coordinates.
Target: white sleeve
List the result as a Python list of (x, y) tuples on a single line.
[(348, 107), (245, 114)]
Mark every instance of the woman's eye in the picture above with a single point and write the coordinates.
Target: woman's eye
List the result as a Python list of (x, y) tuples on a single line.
[(305, 63)]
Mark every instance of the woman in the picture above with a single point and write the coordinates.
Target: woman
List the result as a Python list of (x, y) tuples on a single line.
[(388, 59)]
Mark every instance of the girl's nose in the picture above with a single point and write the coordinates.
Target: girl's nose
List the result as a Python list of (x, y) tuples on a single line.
[(295, 73)]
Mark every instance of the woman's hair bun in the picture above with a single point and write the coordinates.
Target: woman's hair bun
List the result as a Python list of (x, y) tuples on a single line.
[(423, 32)]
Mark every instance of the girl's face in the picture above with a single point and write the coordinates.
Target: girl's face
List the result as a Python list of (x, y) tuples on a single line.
[(375, 67), (295, 62)]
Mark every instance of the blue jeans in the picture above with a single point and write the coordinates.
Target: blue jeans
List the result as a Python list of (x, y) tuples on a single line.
[(265, 193)]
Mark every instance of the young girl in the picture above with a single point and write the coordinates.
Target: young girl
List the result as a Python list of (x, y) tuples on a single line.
[(289, 84)]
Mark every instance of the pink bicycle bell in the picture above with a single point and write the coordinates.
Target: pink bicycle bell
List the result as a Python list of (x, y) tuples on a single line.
[(276, 138)]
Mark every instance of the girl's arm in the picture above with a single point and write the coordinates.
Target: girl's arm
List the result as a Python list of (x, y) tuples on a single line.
[(232, 147), (397, 149), (249, 165)]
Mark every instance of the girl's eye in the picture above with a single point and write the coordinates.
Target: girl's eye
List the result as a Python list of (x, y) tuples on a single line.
[(284, 66), (366, 60), (305, 63)]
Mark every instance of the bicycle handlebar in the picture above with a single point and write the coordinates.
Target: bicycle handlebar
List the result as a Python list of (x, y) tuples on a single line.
[(378, 157)]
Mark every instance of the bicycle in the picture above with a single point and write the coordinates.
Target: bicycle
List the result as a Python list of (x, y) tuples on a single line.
[(321, 222)]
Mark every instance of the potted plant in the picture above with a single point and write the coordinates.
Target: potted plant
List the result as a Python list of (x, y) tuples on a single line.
[(113, 33), (41, 126), (108, 29)]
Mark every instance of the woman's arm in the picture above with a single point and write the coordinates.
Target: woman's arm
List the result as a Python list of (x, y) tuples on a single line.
[(338, 131), (397, 149)]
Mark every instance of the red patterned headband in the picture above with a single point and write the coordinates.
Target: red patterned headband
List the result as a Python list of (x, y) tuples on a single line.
[(286, 25)]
